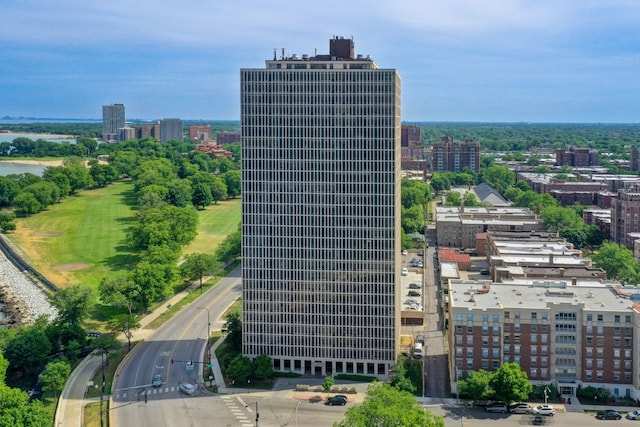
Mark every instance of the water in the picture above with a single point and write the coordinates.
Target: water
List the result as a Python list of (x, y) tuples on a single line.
[(9, 137), (9, 168)]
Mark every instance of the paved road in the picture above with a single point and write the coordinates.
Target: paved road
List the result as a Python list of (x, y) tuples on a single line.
[(181, 339), (436, 360)]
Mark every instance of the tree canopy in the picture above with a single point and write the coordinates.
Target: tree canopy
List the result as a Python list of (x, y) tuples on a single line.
[(386, 406)]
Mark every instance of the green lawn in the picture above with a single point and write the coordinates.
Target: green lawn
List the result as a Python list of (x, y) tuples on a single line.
[(83, 239), (216, 222)]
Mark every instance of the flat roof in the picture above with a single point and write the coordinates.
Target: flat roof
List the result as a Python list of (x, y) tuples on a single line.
[(472, 294)]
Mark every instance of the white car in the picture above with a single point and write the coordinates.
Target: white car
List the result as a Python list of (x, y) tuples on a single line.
[(405, 271), (405, 253), (544, 410), (633, 415), (187, 388)]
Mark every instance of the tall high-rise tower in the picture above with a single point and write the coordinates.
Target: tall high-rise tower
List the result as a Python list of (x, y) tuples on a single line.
[(112, 120), (321, 212)]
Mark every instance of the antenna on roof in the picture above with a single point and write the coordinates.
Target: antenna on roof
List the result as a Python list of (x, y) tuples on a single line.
[(274, 53)]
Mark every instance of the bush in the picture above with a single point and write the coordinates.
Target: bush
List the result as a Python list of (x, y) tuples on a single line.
[(354, 377), (302, 387)]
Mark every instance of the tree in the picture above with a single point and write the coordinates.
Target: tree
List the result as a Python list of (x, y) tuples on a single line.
[(439, 182), (328, 382), (107, 343), (232, 179), (387, 406), (7, 223), (26, 204), (72, 304), (29, 350), (218, 190), (476, 385), (124, 324), (120, 291), (617, 261), (240, 368), (557, 218), (196, 266), (401, 380), (498, 177), (55, 375), (263, 367), (234, 328), (202, 196), (510, 383), (16, 411)]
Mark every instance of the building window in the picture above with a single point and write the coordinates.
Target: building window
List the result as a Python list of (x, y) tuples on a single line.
[(516, 327), (534, 338), (470, 363), (534, 315), (544, 328), (599, 330), (496, 330), (616, 331), (485, 364), (599, 375), (589, 352), (507, 349), (517, 315), (485, 352), (589, 340), (616, 364), (544, 338), (588, 375), (589, 317), (495, 353), (458, 329), (544, 373), (470, 340), (506, 314), (458, 351), (516, 349), (496, 318), (516, 338), (534, 327), (600, 317), (485, 330), (534, 361), (534, 350), (485, 341), (616, 318), (589, 364), (544, 361), (534, 372), (600, 364)]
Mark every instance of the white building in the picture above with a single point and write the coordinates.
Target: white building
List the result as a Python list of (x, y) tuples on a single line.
[(321, 213)]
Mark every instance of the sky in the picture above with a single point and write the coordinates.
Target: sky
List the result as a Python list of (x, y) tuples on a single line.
[(572, 61)]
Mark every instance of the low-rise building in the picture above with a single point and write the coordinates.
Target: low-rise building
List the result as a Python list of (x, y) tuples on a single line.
[(569, 335)]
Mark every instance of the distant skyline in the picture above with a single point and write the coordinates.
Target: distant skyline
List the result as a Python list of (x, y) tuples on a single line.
[(460, 61)]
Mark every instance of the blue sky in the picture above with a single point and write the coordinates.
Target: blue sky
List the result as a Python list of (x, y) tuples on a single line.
[(460, 60)]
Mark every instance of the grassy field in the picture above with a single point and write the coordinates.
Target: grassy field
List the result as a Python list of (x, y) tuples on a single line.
[(83, 239)]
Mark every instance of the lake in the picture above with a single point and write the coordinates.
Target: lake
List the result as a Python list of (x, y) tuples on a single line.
[(9, 137), (8, 168)]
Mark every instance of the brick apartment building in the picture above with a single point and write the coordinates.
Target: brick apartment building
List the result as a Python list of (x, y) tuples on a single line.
[(566, 335)]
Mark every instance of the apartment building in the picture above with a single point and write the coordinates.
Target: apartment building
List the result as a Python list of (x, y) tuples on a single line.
[(170, 129), (200, 132), (568, 335), (459, 226), (454, 156), (113, 118), (577, 157), (321, 212), (625, 216)]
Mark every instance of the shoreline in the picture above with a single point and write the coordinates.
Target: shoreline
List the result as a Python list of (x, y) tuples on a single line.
[(32, 162)]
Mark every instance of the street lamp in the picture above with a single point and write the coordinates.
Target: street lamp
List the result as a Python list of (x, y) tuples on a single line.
[(257, 414), (102, 387), (298, 404), (546, 395), (208, 322)]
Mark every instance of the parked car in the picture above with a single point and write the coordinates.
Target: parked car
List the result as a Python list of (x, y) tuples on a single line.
[(484, 271), (420, 264), (420, 253), (405, 271), (405, 253), (497, 407), (544, 410), (520, 408), (157, 380), (187, 388), (633, 415), (414, 262), (420, 339), (609, 414), (414, 294), (338, 399), (414, 286)]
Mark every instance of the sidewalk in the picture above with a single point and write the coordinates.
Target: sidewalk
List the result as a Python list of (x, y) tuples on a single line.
[(70, 410)]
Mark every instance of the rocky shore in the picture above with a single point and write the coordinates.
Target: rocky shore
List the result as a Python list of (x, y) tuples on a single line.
[(24, 300)]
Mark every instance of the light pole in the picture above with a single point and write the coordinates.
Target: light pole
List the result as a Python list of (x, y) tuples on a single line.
[(297, 404), (208, 322), (257, 414), (102, 387), (546, 395)]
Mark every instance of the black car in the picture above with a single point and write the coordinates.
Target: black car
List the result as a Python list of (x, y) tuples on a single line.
[(337, 400), (608, 415), (421, 253), (414, 286)]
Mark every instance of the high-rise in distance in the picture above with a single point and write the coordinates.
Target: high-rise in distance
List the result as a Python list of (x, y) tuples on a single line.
[(321, 212), (112, 119)]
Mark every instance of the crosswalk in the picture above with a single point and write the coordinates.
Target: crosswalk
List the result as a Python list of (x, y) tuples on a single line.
[(122, 395), (238, 410)]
